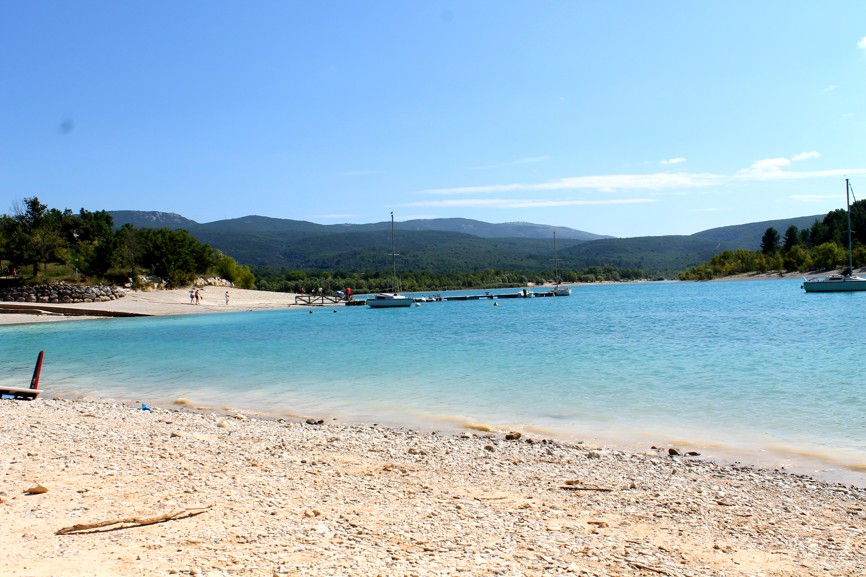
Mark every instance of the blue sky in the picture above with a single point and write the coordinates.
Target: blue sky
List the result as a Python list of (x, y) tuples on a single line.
[(622, 118)]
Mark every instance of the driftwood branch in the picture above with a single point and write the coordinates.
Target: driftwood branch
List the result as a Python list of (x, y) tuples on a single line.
[(585, 488), (129, 522), (647, 568)]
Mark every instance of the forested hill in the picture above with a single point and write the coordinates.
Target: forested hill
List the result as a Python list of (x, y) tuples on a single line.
[(749, 235), (267, 225), (449, 245)]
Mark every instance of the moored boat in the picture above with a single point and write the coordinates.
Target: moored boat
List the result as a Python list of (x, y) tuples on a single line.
[(834, 283), (558, 290), (839, 282), (388, 300)]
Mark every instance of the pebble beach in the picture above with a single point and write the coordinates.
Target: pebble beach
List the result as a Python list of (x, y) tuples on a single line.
[(252, 496), (98, 488)]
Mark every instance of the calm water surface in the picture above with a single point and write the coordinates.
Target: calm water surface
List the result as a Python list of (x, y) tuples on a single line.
[(756, 370)]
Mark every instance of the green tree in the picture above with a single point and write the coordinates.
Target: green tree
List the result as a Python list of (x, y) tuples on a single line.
[(829, 255), (94, 241), (129, 248), (175, 256), (770, 241), (33, 234), (796, 258), (792, 237), (226, 267)]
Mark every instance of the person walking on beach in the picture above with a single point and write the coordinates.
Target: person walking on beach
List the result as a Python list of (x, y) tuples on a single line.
[(191, 296), (227, 298), (197, 296)]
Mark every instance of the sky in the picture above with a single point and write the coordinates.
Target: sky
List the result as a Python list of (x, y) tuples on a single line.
[(623, 118)]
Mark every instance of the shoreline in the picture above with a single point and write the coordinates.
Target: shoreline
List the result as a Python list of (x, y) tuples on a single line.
[(165, 302), (284, 497), (826, 463), (822, 463)]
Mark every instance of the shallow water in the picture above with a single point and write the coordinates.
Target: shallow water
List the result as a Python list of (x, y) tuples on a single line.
[(755, 369)]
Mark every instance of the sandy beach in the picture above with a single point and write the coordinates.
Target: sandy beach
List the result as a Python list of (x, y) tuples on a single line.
[(152, 303), (100, 488)]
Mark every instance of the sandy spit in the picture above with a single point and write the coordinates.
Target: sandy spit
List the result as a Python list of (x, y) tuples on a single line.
[(155, 303), (307, 498)]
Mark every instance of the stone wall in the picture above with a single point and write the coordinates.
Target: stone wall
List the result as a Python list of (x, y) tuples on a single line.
[(60, 293)]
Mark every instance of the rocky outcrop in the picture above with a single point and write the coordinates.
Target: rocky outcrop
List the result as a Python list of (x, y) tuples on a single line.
[(61, 293)]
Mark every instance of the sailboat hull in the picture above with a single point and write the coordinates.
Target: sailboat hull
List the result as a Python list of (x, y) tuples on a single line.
[(388, 301), (835, 284)]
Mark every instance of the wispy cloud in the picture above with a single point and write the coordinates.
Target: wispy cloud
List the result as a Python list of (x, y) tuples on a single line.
[(523, 203), (677, 160), (654, 186), (603, 183), (774, 168), (806, 155), (532, 160), (861, 44)]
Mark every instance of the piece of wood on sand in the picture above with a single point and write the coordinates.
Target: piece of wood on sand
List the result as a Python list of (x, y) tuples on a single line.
[(129, 522)]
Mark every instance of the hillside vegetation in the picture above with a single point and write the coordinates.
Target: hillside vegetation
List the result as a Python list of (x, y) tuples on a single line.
[(821, 246), (450, 246), (437, 254), (41, 244)]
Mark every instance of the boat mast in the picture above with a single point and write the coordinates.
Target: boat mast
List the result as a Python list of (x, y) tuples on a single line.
[(848, 210), (555, 260), (394, 257)]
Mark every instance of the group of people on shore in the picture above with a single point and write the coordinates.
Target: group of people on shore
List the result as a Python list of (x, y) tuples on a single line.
[(196, 296)]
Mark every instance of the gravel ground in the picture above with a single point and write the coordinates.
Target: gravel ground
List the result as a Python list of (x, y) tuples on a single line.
[(274, 497)]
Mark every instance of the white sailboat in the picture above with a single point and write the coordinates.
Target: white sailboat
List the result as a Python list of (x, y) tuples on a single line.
[(558, 290), (839, 282), (387, 300)]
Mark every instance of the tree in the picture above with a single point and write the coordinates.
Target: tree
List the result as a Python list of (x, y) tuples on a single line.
[(828, 255), (94, 241), (796, 258), (770, 241), (33, 234), (129, 248), (226, 267), (792, 238), (175, 256)]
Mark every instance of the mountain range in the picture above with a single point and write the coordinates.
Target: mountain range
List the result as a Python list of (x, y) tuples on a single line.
[(451, 244)]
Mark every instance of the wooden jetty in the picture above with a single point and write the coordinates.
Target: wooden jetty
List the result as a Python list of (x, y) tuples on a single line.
[(317, 300), (523, 294), (327, 300)]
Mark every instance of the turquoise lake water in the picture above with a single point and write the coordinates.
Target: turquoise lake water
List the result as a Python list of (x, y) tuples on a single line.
[(753, 370)]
